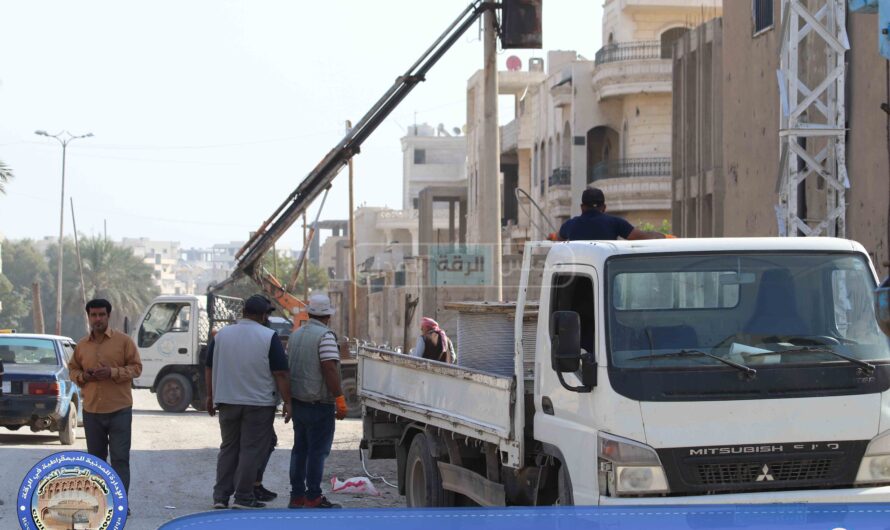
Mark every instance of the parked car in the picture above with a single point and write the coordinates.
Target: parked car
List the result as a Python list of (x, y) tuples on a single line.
[(37, 391)]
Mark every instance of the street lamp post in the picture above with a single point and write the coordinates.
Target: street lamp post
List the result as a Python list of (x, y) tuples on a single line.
[(64, 138)]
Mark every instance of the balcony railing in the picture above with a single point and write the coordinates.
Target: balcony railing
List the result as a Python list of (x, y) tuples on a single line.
[(629, 51), (561, 177), (630, 167)]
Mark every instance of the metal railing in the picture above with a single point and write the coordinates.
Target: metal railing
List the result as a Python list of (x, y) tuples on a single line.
[(561, 176), (630, 167), (629, 51)]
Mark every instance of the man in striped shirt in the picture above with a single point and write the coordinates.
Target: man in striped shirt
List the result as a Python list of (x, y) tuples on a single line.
[(314, 361)]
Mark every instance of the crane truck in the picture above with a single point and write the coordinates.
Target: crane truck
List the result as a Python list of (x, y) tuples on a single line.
[(172, 351)]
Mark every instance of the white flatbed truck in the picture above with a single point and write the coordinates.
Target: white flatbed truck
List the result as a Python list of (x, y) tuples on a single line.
[(687, 371)]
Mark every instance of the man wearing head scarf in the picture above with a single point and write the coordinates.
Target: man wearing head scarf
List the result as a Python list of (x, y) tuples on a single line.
[(433, 343)]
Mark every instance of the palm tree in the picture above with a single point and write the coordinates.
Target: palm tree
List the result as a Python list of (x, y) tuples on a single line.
[(5, 176), (110, 271)]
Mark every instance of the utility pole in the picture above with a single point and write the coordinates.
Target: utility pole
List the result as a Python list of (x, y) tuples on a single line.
[(353, 289), (83, 289), (37, 308), (64, 138), (306, 268), (490, 173)]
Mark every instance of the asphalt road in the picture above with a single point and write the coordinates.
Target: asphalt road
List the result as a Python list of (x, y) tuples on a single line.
[(173, 462)]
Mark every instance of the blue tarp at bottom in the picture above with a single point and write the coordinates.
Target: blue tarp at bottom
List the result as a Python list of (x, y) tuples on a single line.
[(760, 516)]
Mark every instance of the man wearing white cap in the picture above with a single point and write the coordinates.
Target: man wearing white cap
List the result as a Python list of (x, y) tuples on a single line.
[(314, 361)]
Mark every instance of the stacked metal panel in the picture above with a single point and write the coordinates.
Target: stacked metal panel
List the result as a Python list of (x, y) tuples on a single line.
[(485, 336)]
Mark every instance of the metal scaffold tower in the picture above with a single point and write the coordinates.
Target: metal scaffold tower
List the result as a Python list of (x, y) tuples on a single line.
[(812, 130)]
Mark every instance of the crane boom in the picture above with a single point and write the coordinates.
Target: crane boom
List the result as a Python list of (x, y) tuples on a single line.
[(320, 178)]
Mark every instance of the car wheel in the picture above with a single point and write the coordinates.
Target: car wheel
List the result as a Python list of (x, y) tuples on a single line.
[(174, 393), (68, 427)]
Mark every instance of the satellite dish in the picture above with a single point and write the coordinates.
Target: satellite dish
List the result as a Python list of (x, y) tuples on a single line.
[(514, 64)]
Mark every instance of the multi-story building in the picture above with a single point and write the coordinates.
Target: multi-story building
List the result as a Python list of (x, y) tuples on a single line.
[(604, 123), (431, 157), (163, 257), (729, 106)]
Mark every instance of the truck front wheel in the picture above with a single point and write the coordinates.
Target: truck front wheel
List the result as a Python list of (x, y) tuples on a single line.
[(174, 393), (423, 485)]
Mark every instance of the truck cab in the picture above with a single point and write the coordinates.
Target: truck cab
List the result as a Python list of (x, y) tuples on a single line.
[(691, 371), (171, 339), (747, 370)]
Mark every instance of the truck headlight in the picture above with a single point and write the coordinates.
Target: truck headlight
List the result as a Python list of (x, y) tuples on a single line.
[(875, 465), (627, 467)]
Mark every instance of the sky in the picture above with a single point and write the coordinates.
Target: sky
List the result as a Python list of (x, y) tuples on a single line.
[(206, 114)]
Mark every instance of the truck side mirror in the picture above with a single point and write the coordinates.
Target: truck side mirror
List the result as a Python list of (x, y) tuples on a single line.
[(882, 306), (565, 351), (565, 341)]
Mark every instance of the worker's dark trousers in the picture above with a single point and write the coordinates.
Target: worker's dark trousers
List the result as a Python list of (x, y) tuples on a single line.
[(265, 461), (111, 430), (246, 434), (313, 436)]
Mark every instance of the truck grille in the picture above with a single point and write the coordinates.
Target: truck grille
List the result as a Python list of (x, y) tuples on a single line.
[(728, 469), (789, 470)]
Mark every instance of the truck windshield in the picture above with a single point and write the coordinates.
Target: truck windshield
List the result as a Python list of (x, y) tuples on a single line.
[(750, 309)]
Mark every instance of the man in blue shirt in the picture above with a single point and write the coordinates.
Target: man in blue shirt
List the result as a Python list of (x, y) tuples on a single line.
[(595, 223)]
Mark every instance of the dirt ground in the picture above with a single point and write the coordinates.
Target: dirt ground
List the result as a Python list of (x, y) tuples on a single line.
[(173, 463)]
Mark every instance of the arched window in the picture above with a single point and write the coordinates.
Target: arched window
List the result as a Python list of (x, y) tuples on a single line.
[(566, 146), (601, 144), (667, 41)]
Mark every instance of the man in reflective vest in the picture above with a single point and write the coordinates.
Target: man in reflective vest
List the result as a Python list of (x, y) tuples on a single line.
[(314, 361)]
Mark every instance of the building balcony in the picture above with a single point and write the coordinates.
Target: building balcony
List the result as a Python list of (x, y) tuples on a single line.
[(630, 168), (632, 68), (559, 192), (634, 184), (562, 94), (561, 176)]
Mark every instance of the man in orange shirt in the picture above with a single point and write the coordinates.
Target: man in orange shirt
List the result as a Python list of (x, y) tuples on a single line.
[(104, 364)]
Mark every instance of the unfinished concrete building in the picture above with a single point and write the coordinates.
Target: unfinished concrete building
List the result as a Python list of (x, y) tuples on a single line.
[(743, 143)]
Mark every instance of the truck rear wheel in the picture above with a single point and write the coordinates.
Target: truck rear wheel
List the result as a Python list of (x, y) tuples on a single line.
[(423, 485), (350, 392), (174, 393), (68, 427)]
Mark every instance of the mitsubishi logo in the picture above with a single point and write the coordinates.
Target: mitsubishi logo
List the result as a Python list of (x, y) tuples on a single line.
[(765, 474)]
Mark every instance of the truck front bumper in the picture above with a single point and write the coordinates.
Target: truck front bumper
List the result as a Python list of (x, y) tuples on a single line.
[(838, 496)]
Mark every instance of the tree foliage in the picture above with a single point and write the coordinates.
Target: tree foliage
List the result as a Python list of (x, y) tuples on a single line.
[(665, 227), (110, 271), (5, 176)]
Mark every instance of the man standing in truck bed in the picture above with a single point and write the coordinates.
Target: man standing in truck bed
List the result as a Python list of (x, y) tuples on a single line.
[(594, 223)]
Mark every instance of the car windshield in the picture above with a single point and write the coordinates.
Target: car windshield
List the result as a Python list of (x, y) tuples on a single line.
[(20, 350), (750, 309)]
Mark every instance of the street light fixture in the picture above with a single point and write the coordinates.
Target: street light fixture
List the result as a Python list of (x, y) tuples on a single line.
[(64, 138)]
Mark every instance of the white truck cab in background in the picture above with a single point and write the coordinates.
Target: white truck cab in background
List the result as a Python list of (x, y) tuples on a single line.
[(686, 371), (172, 336)]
